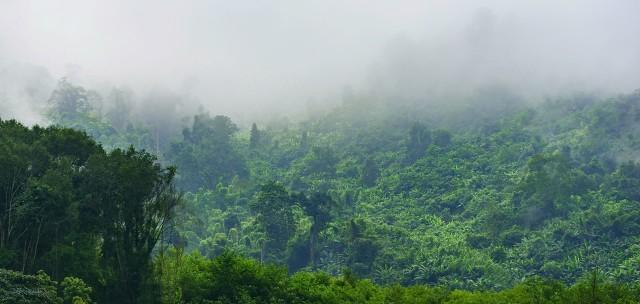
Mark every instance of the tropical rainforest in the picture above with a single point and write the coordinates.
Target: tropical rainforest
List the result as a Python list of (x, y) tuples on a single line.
[(499, 201)]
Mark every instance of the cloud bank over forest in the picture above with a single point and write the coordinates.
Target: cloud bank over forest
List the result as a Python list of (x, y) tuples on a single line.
[(254, 57)]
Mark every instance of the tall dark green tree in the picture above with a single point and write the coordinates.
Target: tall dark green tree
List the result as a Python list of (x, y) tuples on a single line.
[(318, 206), (441, 138), (304, 141), (254, 138), (369, 172), (272, 205), (38, 200), (207, 155), (625, 182), (321, 160), (70, 208), (129, 200), (418, 142), (547, 186), (361, 248)]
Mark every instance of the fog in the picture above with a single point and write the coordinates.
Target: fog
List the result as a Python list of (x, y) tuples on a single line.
[(248, 58)]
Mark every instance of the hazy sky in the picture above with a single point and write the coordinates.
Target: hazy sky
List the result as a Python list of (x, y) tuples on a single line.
[(236, 56)]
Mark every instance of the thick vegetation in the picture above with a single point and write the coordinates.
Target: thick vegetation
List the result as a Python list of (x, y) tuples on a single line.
[(369, 203), (71, 209)]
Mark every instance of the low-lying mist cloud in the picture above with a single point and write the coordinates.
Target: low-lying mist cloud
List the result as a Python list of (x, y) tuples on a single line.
[(245, 58), (534, 50)]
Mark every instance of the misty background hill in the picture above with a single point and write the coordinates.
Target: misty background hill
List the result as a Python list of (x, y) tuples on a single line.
[(252, 61)]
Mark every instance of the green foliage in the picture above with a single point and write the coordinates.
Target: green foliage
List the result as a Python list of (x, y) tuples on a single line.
[(370, 173), (71, 208), (624, 183), (75, 291), (206, 155), (318, 206), (130, 213), (500, 202), (419, 140), (321, 160), (275, 217), (254, 139), (547, 187), (530, 191), (229, 278), (18, 288), (68, 101)]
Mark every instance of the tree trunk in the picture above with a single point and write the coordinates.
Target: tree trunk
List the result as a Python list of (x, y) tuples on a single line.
[(312, 256), (313, 237)]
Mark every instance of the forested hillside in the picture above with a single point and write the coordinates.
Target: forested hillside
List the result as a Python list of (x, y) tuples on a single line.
[(374, 201)]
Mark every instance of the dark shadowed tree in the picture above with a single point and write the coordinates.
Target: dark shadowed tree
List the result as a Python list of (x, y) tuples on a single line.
[(321, 160), (547, 186), (418, 142), (369, 172), (441, 138), (207, 156), (361, 249), (304, 141), (625, 182), (254, 139), (129, 199), (272, 205), (318, 206)]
